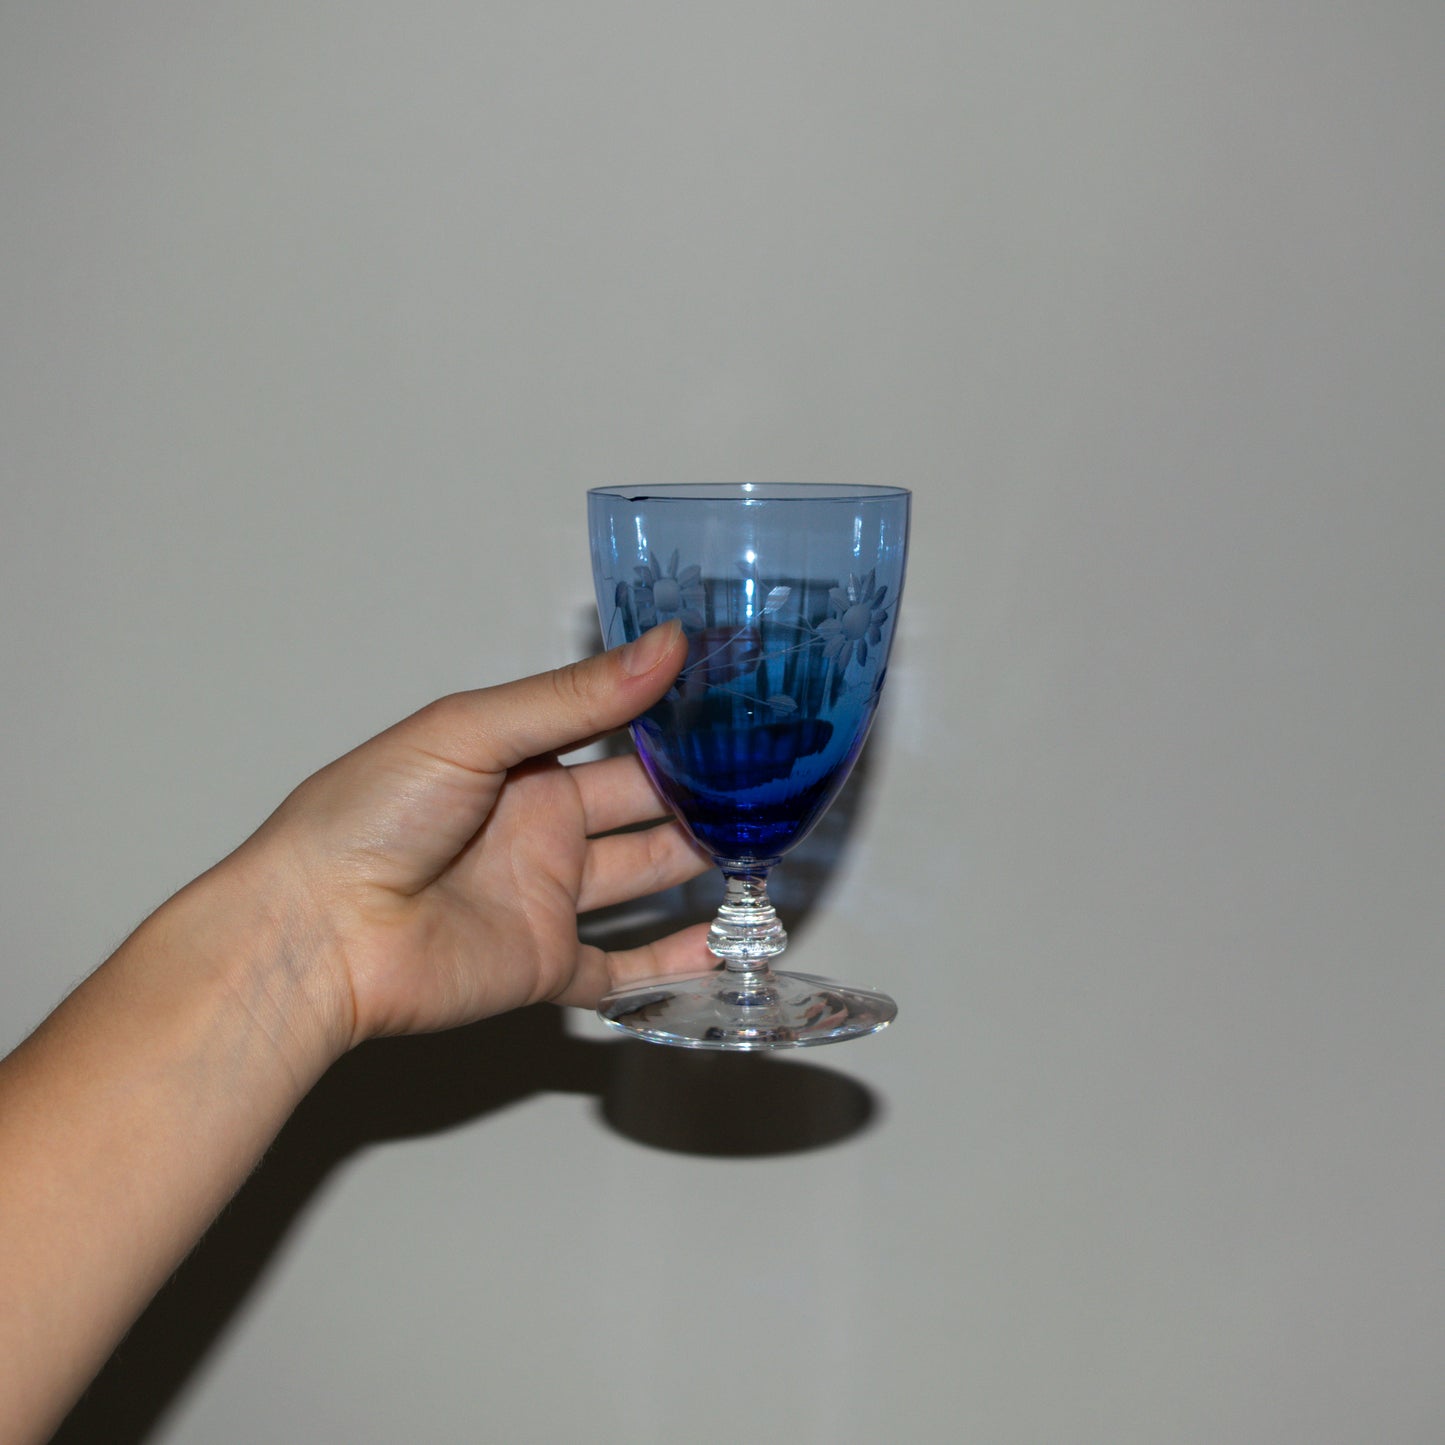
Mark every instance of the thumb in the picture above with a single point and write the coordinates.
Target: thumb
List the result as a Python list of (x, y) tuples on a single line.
[(495, 728)]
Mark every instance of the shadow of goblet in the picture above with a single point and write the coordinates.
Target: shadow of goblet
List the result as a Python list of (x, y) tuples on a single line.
[(731, 1106)]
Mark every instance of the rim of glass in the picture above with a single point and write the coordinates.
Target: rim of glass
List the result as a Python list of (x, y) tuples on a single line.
[(749, 492)]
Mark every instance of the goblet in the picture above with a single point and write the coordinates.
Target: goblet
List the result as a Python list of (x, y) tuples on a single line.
[(788, 597)]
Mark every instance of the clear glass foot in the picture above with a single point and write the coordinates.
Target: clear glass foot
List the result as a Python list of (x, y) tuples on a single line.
[(735, 1009)]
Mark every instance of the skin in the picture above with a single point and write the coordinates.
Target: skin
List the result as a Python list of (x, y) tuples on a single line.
[(429, 878)]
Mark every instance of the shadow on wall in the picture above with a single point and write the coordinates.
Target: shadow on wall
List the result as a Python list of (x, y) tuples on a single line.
[(707, 1104)]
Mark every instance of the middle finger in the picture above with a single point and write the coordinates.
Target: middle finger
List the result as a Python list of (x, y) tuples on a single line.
[(616, 793)]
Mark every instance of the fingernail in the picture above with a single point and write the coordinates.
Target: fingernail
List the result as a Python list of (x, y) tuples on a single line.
[(649, 649)]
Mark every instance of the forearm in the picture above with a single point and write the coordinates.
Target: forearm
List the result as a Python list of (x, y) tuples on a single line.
[(133, 1114)]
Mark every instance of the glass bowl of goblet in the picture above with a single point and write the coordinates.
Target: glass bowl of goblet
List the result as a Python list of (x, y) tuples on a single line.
[(788, 596)]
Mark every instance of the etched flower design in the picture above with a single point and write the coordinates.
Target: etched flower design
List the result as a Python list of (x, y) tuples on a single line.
[(662, 593), (858, 624)]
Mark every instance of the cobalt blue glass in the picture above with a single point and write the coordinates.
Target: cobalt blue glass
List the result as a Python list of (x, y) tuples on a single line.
[(788, 596)]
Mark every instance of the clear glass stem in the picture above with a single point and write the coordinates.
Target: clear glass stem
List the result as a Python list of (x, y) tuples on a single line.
[(747, 931), (745, 1005)]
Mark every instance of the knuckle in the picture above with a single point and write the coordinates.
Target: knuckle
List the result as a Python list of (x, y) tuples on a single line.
[(446, 712), (572, 687)]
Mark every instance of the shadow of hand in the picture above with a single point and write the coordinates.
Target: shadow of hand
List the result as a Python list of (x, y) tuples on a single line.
[(705, 1104)]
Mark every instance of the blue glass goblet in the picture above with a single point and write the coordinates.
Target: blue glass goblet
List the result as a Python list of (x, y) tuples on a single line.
[(788, 596)]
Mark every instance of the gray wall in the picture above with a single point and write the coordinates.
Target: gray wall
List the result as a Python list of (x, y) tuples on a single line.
[(318, 320)]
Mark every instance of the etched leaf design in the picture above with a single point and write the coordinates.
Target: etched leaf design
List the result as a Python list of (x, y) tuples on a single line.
[(776, 598), (782, 702)]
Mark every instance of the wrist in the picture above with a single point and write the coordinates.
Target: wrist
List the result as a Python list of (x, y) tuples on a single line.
[(246, 929)]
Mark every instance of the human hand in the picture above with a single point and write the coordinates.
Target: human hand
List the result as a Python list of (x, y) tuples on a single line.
[(428, 878), (434, 875)]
